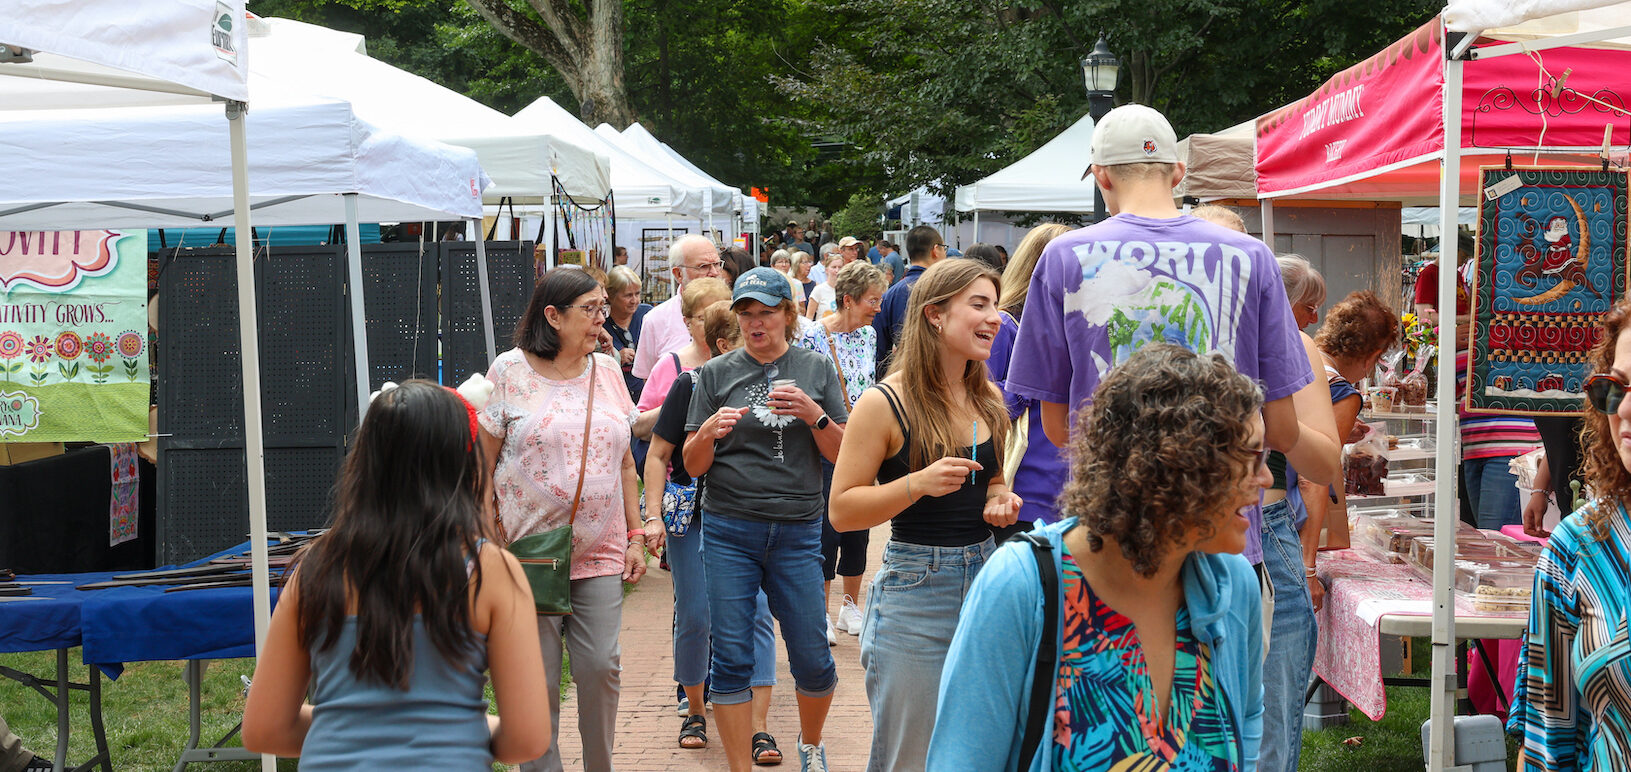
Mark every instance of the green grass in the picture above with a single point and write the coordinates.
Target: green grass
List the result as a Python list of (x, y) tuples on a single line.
[(1390, 745)]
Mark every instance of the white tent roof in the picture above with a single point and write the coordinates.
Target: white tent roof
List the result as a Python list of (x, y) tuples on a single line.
[(642, 191), (167, 166), (304, 59), (741, 200), (195, 44), (1047, 180), (717, 199), (1520, 20)]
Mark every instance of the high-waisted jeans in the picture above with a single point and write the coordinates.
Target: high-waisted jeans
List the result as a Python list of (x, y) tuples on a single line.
[(693, 623), (911, 614), (1289, 663)]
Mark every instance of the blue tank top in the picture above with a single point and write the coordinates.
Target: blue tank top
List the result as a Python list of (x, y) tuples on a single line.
[(441, 719)]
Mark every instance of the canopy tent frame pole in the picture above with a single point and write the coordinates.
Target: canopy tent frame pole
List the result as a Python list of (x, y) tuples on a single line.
[(1559, 41), (359, 324), (1442, 703), (976, 229), (114, 80), (549, 232), (249, 357), (1267, 207), (486, 295), (199, 216)]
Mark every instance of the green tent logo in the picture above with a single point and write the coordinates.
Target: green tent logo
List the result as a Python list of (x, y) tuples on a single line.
[(19, 413)]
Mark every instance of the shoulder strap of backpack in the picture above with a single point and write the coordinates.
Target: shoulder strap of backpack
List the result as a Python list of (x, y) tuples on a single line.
[(1036, 716)]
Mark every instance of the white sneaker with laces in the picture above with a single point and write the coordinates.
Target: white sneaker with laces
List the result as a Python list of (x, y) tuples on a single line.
[(812, 758), (832, 638), (849, 617)]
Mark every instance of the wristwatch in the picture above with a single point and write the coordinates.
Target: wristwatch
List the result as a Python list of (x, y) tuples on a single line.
[(821, 423)]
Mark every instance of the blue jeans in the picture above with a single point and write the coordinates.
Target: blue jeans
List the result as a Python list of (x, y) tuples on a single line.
[(692, 621), (783, 560), (1492, 491), (1293, 635), (911, 613)]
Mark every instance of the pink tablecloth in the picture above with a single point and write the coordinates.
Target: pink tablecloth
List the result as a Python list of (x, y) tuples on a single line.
[(1359, 591)]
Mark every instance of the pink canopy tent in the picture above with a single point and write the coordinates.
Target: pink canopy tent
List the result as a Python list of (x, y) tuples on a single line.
[(1375, 131), (1384, 129)]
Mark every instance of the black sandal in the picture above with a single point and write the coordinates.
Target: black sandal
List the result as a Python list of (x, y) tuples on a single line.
[(694, 727), (763, 743)]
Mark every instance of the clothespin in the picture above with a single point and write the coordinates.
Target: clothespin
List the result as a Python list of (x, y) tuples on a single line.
[(1509, 160), (1557, 85)]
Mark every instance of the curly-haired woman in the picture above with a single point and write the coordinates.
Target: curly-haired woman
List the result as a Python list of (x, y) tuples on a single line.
[(1569, 704), (1160, 624)]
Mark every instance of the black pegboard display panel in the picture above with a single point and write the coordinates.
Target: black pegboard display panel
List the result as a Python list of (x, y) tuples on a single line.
[(304, 355), (509, 276), (399, 299)]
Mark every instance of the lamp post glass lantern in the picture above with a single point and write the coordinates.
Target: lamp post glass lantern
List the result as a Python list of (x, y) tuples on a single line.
[(1099, 71)]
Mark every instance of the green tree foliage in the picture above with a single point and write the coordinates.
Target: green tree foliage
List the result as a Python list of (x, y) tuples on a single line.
[(967, 86), (860, 217)]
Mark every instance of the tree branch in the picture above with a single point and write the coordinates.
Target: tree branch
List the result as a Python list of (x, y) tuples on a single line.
[(561, 19), (531, 35)]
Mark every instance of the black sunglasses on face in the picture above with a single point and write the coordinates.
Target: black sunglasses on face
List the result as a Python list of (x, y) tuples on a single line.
[(1605, 392)]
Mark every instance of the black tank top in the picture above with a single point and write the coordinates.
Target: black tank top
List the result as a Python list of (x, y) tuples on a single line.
[(953, 520)]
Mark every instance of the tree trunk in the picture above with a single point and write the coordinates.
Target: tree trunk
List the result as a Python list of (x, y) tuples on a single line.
[(586, 49)]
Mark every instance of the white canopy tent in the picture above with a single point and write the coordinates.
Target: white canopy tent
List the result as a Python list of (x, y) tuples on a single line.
[(196, 48), (717, 201), (1047, 180), (742, 202), (642, 190)]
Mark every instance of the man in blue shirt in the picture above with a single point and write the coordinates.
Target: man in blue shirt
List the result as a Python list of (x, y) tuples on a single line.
[(924, 248), (888, 256)]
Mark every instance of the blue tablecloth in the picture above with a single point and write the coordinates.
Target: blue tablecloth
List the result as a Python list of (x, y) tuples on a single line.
[(131, 624)]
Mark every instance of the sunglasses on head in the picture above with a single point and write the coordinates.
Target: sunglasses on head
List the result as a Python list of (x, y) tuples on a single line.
[(1605, 392)]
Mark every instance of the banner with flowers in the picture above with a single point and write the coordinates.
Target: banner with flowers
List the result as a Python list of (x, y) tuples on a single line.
[(73, 336)]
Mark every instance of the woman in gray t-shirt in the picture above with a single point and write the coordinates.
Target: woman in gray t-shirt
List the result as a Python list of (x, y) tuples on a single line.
[(761, 417)]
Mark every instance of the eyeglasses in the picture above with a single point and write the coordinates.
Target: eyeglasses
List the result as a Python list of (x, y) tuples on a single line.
[(1260, 458), (708, 267), (592, 310), (942, 245), (771, 372), (1605, 392)]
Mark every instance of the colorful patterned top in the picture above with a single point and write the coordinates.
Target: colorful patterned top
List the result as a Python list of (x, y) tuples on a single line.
[(1105, 714), (540, 422), (857, 354), (1574, 678), (1490, 436)]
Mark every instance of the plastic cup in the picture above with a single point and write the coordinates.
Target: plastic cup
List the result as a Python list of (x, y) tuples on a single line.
[(1382, 398)]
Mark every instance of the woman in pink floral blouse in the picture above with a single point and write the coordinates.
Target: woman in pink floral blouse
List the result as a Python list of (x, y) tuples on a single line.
[(533, 427)]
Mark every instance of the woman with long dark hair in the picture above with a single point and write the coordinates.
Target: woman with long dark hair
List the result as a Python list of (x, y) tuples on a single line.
[(392, 617), (1157, 659), (932, 470), (548, 391)]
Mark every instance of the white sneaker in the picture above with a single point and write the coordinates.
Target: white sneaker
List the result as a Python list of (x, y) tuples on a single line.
[(832, 638), (849, 617), (812, 758)]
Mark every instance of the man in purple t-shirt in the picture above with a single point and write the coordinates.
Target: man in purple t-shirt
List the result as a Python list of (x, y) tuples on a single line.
[(1151, 273)]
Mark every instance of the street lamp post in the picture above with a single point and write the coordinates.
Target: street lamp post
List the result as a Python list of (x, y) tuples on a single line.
[(1099, 70)]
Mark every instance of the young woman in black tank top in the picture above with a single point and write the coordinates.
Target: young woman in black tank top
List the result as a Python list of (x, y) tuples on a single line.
[(932, 469)]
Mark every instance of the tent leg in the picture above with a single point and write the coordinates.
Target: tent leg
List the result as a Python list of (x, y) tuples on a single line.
[(672, 289), (359, 324), (486, 297), (1442, 704), (549, 235), (1268, 222), (249, 348), (976, 228)]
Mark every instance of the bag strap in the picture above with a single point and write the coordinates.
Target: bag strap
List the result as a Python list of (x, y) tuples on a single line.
[(843, 383), (1046, 651), (588, 422)]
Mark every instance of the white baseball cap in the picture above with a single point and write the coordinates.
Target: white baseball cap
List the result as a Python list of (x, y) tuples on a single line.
[(1133, 134)]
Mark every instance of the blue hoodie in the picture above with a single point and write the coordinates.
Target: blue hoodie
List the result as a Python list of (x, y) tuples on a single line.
[(986, 684)]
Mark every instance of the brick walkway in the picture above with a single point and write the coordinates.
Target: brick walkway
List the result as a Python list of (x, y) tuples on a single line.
[(648, 726)]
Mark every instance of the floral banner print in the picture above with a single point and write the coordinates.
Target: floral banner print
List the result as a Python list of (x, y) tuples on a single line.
[(73, 336)]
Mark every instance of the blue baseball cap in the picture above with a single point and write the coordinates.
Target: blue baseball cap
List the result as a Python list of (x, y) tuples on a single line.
[(766, 285)]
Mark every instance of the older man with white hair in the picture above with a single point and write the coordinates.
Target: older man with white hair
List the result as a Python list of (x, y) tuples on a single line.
[(689, 257)]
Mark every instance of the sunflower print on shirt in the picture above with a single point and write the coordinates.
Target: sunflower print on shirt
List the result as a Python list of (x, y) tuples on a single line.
[(1106, 709)]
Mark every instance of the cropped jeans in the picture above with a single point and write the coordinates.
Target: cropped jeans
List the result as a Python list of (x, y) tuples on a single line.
[(692, 622), (1289, 662), (1492, 490), (781, 560), (911, 614)]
